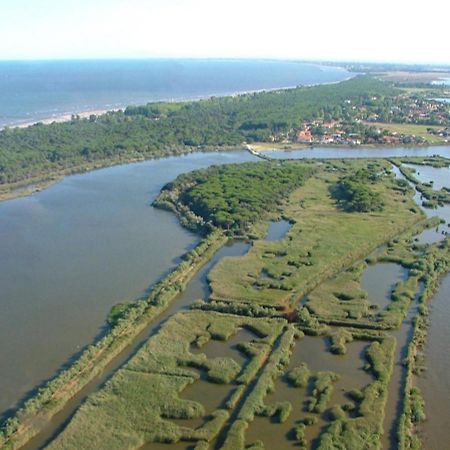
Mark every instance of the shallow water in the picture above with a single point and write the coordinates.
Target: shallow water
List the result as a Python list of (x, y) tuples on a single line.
[(433, 235), (441, 177), (359, 152), (379, 280), (396, 386), (195, 290), (278, 230), (315, 352), (438, 233), (212, 396), (438, 176), (215, 348)]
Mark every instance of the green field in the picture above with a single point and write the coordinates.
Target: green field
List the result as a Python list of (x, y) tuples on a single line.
[(413, 129), (318, 245)]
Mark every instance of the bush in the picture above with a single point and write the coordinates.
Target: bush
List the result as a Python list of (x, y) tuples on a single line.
[(299, 376)]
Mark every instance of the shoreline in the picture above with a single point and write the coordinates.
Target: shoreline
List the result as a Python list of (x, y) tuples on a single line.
[(63, 117), (263, 147), (35, 185), (67, 116)]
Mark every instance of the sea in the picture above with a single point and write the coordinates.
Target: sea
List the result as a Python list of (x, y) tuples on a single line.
[(32, 91)]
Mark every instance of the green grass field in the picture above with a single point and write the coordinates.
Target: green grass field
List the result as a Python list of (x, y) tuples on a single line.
[(412, 129), (323, 240)]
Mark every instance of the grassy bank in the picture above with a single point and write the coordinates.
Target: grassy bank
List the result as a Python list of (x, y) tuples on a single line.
[(414, 130)]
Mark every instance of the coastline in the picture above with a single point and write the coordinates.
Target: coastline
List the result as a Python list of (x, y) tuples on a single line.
[(67, 116), (63, 117), (36, 183)]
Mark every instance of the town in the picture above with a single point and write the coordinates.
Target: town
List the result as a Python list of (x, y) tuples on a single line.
[(399, 120)]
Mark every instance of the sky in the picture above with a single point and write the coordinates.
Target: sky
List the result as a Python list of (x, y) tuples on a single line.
[(351, 30)]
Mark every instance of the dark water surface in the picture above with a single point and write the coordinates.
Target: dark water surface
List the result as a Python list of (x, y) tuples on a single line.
[(379, 281), (197, 288)]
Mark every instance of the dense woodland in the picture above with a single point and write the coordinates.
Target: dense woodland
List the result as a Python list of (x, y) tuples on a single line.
[(232, 196), (355, 192), (160, 129)]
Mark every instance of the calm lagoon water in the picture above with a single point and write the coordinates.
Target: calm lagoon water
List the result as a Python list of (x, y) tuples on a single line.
[(359, 152), (69, 253), (435, 385)]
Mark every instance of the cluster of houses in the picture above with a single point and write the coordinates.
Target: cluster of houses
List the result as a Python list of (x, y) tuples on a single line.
[(425, 110), (323, 133), (364, 124), (329, 133), (413, 110)]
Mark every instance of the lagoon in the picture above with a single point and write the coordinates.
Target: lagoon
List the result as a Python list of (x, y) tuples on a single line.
[(69, 253)]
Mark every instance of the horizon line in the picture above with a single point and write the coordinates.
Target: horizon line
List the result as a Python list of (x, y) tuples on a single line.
[(227, 58)]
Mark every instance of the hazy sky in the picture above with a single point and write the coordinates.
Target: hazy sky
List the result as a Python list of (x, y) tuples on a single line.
[(383, 30)]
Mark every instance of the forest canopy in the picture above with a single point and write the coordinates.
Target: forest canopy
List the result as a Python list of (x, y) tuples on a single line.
[(233, 196), (161, 129)]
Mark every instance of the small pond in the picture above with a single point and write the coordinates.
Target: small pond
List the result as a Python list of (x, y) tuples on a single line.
[(278, 230)]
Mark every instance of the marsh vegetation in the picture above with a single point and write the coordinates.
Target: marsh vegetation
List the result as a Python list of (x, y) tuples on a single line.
[(290, 347)]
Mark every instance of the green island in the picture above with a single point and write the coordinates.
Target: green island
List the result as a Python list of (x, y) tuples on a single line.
[(289, 349), (364, 110)]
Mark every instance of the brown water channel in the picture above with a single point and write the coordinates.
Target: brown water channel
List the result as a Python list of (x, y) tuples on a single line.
[(435, 385), (379, 280), (396, 387), (212, 396), (314, 351), (197, 288)]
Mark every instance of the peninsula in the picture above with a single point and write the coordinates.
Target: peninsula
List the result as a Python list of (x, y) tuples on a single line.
[(365, 110)]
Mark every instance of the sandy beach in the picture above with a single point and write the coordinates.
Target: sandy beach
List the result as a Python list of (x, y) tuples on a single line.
[(66, 117)]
